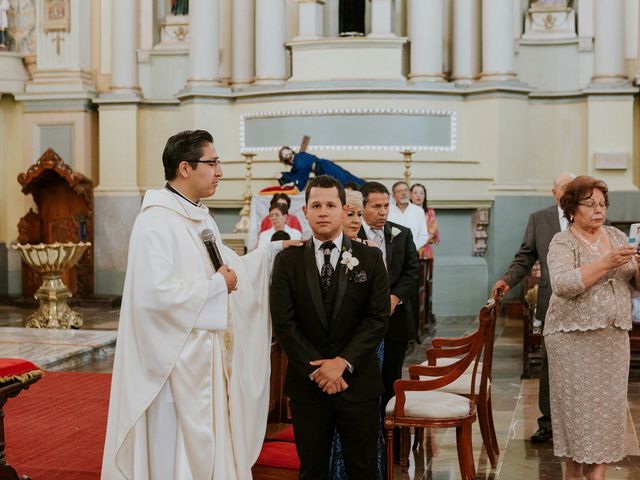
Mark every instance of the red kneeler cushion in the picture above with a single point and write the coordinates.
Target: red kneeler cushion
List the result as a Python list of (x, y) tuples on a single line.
[(279, 455), (12, 369), (285, 435)]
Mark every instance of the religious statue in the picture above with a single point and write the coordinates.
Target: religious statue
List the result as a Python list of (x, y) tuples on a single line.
[(351, 14), (4, 24), (179, 7)]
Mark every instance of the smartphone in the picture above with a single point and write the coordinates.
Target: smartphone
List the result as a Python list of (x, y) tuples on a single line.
[(634, 236)]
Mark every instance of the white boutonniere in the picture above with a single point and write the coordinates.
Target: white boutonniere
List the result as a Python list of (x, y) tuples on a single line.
[(395, 232), (349, 260)]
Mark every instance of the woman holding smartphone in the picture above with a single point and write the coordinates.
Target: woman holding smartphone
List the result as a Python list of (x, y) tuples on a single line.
[(586, 332)]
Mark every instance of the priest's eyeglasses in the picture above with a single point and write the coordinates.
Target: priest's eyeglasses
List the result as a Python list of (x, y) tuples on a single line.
[(593, 205)]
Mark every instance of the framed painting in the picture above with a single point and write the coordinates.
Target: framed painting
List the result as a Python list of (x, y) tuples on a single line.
[(56, 16)]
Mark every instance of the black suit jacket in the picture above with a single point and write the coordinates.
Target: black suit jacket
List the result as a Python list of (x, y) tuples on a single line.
[(402, 268), (358, 325), (541, 228)]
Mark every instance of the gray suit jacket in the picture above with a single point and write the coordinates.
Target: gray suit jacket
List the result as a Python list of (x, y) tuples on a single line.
[(541, 228)]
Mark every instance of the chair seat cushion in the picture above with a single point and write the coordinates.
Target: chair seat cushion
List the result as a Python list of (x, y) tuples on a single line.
[(285, 435), (279, 455), (432, 404), (18, 369)]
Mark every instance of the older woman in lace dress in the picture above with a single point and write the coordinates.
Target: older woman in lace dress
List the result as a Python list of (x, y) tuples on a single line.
[(586, 332)]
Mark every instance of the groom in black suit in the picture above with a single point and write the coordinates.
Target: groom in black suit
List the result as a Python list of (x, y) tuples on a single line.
[(330, 307), (401, 259)]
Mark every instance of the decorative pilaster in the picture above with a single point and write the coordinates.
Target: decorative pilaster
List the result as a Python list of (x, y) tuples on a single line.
[(466, 41), (310, 20), (243, 43), (608, 58), (426, 34), (124, 63), (497, 41), (270, 37), (204, 47), (381, 19)]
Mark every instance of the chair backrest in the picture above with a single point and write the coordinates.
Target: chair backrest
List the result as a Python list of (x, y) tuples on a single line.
[(490, 311), (470, 347)]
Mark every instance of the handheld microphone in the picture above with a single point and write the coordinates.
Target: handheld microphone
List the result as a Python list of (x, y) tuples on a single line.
[(209, 241)]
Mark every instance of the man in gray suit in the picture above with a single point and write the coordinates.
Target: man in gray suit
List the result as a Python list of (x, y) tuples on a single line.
[(541, 228)]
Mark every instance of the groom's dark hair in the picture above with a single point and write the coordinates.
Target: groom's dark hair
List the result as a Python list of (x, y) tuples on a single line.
[(184, 146), (325, 181)]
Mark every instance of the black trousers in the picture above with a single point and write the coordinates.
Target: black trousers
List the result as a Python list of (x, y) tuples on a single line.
[(394, 353), (358, 424)]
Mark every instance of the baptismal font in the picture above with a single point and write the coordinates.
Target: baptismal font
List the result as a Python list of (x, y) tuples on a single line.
[(54, 241)]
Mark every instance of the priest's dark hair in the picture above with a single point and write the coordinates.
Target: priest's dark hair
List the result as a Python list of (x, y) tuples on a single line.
[(325, 181), (184, 146), (372, 187)]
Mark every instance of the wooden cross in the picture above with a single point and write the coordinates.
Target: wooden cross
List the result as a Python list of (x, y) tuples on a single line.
[(58, 39), (305, 143)]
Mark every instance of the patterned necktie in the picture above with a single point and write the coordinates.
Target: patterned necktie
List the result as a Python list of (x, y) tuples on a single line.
[(326, 274), (378, 238)]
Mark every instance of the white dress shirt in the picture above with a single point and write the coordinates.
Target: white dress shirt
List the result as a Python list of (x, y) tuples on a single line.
[(335, 256), (414, 219), (564, 222), (335, 252)]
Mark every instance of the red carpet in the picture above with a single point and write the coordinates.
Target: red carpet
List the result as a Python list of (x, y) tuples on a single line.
[(55, 430)]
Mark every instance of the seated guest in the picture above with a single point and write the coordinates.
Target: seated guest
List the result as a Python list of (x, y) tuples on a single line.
[(278, 216), (292, 220), (304, 164), (405, 213), (586, 332)]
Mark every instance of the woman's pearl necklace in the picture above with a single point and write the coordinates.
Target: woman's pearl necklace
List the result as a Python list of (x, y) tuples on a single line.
[(594, 246)]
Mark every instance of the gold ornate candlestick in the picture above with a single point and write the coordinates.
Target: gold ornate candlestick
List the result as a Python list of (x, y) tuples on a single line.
[(407, 165), (51, 260)]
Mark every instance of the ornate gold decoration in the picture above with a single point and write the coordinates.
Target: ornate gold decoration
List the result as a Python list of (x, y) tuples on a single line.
[(243, 225), (407, 164), (51, 260)]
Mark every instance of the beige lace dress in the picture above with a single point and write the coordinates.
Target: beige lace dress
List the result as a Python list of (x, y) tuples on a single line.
[(587, 343)]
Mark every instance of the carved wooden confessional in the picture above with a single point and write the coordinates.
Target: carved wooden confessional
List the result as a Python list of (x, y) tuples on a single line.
[(64, 201)]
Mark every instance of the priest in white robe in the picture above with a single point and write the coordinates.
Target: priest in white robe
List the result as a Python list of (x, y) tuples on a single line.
[(190, 387)]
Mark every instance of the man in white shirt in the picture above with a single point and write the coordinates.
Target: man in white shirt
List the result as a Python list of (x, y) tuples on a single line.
[(541, 228), (405, 213)]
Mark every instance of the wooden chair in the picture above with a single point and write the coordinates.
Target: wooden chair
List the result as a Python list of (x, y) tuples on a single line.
[(444, 353), (16, 375), (422, 403)]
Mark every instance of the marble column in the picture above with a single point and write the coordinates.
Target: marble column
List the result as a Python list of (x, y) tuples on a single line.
[(270, 38), (497, 41), (310, 21), (124, 63), (204, 43), (243, 43), (425, 34), (608, 56), (381, 19), (466, 41)]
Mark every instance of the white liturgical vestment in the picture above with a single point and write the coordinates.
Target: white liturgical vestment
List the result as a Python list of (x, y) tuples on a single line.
[(187, 347)]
